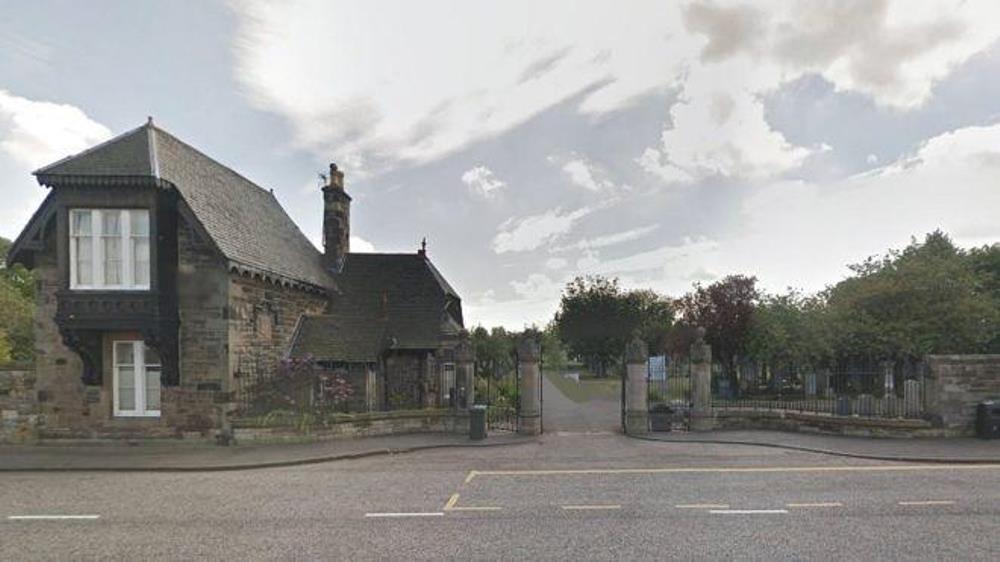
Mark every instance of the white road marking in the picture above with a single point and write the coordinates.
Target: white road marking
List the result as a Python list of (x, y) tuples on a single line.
[(413, 514), (702, 506), (748, 511), (585, 507), (472, 508), (816, 504), (51, 517), (928, 502)]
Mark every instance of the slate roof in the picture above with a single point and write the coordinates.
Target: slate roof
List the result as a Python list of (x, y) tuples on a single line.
[(397, 301), (246, 222)]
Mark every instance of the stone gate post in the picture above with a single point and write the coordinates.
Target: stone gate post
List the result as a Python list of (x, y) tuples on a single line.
[(529, 387), (465, 375), (636, 390), (701, 384)]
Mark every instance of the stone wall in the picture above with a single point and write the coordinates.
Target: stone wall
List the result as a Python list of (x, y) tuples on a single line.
[(958, 383), (202, 298), (19, 417), (779, 420), (359, 425), (58, 385), (261, 320)]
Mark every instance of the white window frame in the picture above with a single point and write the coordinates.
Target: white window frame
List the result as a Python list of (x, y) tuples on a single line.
[(449, 375), (97, 251), (139, 373)]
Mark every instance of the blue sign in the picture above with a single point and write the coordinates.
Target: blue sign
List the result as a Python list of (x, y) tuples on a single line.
[(658, 368)]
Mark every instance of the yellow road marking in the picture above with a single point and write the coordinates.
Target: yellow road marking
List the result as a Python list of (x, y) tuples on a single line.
[(452, 505), (815, 504), (731, 470), (702, 506), (582, 507), (472, 474), (928, 502)]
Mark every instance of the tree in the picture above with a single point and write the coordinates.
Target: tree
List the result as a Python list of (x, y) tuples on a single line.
[(494, 350), (789, 330), (17, 307), (927, 298), (725, 310), (656, 316), (595, 320)]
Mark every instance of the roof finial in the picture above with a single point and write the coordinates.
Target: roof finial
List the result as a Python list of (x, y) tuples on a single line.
[(423, 247), (149, 120)]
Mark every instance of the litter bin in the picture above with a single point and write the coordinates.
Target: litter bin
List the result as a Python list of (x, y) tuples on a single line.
[(988, 420), (477, 422)]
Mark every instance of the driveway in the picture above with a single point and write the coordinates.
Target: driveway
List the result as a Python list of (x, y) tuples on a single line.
[(581, 407)]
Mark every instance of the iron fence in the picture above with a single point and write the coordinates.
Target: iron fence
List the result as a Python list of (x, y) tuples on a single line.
[(888, 389)]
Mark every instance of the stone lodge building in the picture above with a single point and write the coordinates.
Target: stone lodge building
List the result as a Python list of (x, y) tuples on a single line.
[(165, 278)]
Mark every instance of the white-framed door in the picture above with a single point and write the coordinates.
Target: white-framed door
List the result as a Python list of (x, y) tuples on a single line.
[(136, 381)]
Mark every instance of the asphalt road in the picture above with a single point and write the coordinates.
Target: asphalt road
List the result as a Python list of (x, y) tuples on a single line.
[(569, 497)]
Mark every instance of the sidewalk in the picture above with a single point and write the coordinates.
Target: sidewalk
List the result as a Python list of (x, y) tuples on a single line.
[(951, 450), (154, 456)]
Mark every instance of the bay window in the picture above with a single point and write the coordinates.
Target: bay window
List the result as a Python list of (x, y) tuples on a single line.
[(137, 371), (109, 249)]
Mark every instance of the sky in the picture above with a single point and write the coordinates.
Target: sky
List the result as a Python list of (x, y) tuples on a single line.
[(662, 143)]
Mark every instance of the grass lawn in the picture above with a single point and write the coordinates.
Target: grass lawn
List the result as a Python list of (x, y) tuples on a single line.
[(587, 389)]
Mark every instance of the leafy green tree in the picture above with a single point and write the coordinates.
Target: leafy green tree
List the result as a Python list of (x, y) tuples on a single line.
[(494, 350), (594, 321), (656, 316), (725, 310), (16, 307), (927, 298), (789, 330)]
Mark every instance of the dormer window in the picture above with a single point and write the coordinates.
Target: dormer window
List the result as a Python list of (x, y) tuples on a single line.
[(109, 249)]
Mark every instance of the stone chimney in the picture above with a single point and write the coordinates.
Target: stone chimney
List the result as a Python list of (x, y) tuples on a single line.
[(336, 221)]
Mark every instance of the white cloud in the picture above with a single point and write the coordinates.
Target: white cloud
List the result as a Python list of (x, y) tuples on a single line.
[(396, 81), (609, 239), (482, 181), (556, 263), (892, 52), (530, 233), (35, 133), (360, 245), (584, 174), (804, 234), (414, 81)]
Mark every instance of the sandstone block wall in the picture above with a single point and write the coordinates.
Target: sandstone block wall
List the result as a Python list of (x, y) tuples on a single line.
[(958, 383), (19, 416)]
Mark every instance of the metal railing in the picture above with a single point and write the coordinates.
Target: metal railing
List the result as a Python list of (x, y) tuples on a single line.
[(881, 390)]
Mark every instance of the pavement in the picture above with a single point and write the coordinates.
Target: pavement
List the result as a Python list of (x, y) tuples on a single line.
[(927, 450), (179, 456)]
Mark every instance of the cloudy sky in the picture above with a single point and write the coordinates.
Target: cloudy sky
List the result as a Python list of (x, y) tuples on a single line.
[(662, 143)]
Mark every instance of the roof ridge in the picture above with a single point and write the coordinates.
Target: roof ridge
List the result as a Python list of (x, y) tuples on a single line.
[(176, 139)]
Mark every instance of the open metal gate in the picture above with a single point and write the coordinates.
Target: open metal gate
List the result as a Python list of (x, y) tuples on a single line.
[(501, 397), (669, 392)]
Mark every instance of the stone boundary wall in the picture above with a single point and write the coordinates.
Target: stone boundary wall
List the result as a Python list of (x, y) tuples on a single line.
[(355, 425), (958, 383), (822, 423), (19, 417)]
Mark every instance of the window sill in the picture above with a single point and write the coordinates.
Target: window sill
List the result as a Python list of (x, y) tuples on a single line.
[(137, 416)]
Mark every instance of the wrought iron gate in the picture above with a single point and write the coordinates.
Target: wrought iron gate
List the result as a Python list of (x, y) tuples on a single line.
[(501, 398), (669, 392)]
